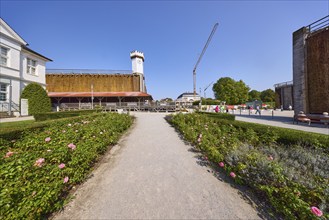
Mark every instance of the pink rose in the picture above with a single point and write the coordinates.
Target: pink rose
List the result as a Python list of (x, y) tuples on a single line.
[(66, 179), (72, 146), (221, 164), (39, 162), (232, 174), (316, 211), (61, 166), (8, 154), (47, 139)]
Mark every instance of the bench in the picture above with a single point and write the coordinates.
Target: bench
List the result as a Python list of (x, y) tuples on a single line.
[(302, 118)]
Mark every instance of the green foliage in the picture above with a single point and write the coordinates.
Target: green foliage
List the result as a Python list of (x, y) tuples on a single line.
[(253, 95), (267, 95), (65, 114), (293, 176), (231, 91), (38, 99), (219, 115), (30, 188)]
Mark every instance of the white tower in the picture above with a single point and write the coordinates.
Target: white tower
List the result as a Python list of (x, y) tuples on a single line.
[(137, 60)]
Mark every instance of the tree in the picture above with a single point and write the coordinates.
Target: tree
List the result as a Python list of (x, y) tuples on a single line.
[(254, 95), (267, 95), (38, 99), (231, 91)]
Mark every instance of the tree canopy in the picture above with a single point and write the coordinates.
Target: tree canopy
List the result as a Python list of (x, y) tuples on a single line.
[(267, 95), (254, 95), (231, 91)]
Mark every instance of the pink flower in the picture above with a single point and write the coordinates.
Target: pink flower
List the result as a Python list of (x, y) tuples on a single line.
[(72, 146), (232, 174), (39, 162), (63, 131), (8, 154), (221, 164), (199, 140), (200, 135), (66, 179), (316, 211), (47, 139), (61, 166), (270, 157)]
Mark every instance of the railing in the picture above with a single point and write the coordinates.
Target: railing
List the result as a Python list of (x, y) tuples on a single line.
[(289, 83), (4, 107), (130, 106), (319, 24), (86, 71)]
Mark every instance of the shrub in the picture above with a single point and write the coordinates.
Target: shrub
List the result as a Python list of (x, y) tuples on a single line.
[(38, 100), (38, 170)]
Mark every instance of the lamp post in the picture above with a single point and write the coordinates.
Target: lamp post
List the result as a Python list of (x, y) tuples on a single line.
[(92, 96)]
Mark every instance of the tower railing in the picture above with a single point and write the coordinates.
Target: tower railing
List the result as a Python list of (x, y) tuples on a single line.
[(319, 24), (86, 71)]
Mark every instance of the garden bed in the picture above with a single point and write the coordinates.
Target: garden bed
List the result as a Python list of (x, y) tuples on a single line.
[(293, 174), (39, 169)]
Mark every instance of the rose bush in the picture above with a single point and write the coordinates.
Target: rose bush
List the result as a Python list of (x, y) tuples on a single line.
[(293, 177), (38, 170)]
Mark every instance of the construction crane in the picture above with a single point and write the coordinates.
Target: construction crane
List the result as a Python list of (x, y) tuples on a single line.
[(204, 91), (201, 55)]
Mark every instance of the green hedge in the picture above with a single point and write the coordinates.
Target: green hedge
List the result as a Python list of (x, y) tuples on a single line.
[(293, 177), (57, 115), (287, 136), (38, 170), (219, 115)]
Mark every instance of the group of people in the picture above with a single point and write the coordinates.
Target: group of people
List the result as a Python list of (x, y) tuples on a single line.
[(222, 109)]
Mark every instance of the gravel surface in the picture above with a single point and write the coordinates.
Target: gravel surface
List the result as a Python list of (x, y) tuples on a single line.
[(152, 174)]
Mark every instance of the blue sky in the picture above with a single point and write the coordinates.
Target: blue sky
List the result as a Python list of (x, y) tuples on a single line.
[(253, 41)]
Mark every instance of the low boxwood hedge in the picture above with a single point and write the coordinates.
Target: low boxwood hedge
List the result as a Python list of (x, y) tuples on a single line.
[(57, 115), (219, 115)]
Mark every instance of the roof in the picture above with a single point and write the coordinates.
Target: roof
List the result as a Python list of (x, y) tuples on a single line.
[(187, 94), (98, 94), (14, 34), (32, 51)]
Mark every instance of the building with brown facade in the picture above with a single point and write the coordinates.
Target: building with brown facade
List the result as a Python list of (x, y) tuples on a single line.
[(90, 88), (311, 68)]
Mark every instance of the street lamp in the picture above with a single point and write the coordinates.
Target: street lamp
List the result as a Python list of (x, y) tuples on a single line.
[(92, 96)]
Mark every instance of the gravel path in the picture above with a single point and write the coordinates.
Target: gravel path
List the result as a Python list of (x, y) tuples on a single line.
[(151, 174)]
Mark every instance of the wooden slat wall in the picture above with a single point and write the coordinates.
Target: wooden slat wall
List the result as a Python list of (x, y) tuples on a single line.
[(318, 72), (82, 83)]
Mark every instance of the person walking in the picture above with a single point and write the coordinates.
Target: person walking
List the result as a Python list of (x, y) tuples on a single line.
[(257, 110)]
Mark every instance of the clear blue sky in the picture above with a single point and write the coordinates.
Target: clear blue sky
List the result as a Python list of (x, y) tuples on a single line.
[(253, 41)]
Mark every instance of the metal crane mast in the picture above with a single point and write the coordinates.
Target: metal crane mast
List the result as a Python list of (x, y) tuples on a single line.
[(201, 55), (204, 91)]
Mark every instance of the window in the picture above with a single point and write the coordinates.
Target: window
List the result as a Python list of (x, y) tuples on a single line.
[(31, 66), (3, 92), (4, 56)]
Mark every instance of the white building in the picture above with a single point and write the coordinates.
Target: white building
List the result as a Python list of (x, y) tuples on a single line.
[(19, 66), (188, 97)]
